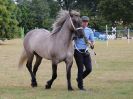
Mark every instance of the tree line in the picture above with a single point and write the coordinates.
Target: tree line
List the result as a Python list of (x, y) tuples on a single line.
[(30, 14)]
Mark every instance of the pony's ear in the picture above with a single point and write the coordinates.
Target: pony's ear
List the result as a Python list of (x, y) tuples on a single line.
[(70, 13), (69, 10)]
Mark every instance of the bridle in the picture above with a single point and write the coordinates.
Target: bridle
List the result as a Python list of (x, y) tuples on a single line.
[(75, 29)]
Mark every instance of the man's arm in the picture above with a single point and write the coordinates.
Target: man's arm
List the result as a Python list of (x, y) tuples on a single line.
[(91, 40)]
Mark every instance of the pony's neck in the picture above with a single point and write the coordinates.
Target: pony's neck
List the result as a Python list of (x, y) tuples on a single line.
[(65, 35)]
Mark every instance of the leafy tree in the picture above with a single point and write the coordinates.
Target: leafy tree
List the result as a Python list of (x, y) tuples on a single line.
[(39, 13), (34, 14), (117, 10), (66, 4), (8, 22), (53, 8), (87, 7)]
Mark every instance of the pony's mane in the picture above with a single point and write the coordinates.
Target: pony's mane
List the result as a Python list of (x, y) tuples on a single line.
[(61, 17)]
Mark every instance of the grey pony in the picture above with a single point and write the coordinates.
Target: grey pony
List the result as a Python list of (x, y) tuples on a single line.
[(56, 46)]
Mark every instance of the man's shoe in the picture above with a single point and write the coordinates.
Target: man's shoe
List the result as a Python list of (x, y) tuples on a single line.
[(80, 86)]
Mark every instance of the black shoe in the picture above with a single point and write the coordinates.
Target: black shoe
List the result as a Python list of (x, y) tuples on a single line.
[(80, 86)]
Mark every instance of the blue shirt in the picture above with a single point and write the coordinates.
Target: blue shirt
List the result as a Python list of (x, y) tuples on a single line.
[(80, 43)]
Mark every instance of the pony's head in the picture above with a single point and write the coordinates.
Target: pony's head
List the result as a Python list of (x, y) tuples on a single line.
[(76, 23)]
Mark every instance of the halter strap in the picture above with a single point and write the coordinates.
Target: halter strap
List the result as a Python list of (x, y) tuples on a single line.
[(79, 28), (74, 26)]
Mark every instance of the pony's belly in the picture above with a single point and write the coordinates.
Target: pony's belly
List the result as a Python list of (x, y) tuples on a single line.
[(44, 54), (59, 57)]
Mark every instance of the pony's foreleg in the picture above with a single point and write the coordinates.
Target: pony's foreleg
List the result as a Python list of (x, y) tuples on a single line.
[(54, 76), (29, 67), (68, 70)]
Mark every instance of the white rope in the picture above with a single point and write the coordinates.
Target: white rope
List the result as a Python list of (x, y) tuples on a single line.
[(93, 54), (79, 50), (79, 28)]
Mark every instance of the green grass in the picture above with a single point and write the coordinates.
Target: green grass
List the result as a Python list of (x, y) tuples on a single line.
[(112, 78)]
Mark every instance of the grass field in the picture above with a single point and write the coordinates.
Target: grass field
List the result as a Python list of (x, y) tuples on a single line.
[(112, 78)]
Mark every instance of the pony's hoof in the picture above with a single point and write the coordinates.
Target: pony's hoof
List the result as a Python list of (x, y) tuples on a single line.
[(47, 87), (70, 89), (34, 84)]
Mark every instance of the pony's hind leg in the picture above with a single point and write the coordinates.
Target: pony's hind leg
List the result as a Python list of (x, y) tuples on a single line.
[(29, 67), (37, 63), (54, 76)]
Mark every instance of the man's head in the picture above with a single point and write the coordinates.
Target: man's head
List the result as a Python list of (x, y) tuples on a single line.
[(85, 21)]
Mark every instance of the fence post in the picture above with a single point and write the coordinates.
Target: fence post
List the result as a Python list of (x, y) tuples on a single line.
[(107, 35), (128, 35), (22, 33)]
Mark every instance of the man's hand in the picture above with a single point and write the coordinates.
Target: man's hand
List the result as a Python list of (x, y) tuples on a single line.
[(92, 46)]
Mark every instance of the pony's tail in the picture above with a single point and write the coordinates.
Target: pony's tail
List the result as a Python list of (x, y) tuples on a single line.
[(22, 59)]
